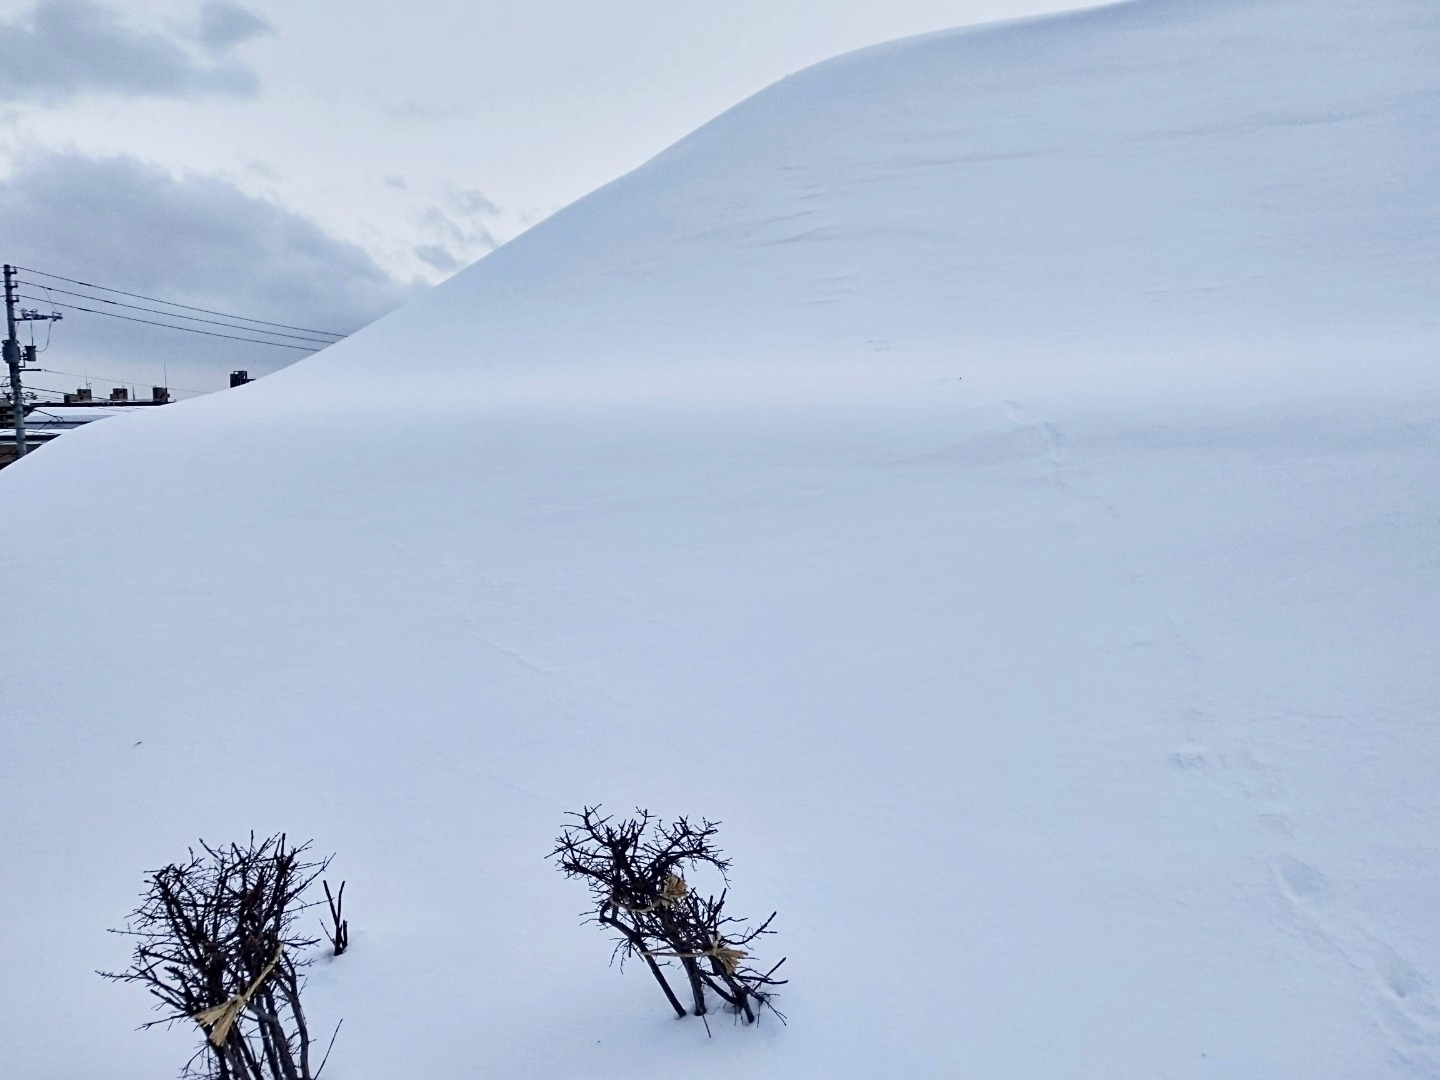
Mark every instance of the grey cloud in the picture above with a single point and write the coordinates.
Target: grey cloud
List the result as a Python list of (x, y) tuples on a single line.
[(421, 110), (224, 25), (458, 231), (472, 202), (63, 49), (123, 223), (438, 257)]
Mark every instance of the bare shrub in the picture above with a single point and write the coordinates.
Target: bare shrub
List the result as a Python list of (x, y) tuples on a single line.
[(216, 943), (339, 932), (635, 869)]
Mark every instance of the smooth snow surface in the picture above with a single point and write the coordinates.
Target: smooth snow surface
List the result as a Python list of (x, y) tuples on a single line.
[(994, 473)]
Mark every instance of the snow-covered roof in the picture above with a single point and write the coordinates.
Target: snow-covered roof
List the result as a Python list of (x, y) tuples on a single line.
[(62, 414)]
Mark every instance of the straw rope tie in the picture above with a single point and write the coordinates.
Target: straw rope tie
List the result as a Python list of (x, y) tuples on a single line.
[(673, 892), (728, 956), (221, 1018)]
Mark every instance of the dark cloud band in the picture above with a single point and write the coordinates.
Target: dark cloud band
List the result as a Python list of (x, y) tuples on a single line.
[(200, 241), (61, 50)]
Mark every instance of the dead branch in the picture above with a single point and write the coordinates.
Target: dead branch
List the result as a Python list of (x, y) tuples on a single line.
[(339, 932)]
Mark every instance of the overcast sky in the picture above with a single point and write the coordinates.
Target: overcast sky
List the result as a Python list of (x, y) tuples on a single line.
[(315, 161)]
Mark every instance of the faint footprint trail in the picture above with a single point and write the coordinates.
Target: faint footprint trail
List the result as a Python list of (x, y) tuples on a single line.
[(1049, 436), (1406, 1005)]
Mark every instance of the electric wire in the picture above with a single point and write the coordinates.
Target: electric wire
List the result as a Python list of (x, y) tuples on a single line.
[(187, 307), (171, 326), (30, 387), (49, 327), (117, 382), (38, 409), (168, 314)]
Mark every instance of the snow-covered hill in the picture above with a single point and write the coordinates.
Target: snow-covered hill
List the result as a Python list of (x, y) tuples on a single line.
[(993, 473)]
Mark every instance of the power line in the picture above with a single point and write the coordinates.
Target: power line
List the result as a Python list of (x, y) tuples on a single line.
[(170, 326), (96, 401), (187, 307), (46, 390), (119, 382), (171, 314), (49, 326)]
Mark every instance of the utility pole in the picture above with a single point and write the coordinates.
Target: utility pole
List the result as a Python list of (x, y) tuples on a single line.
[(16, 358), (12, 361)]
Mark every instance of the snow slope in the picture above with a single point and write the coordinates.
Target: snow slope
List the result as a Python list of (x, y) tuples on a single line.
[(993, 473)]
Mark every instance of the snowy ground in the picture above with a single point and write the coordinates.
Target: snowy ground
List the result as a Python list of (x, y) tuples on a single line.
[(993, 473)]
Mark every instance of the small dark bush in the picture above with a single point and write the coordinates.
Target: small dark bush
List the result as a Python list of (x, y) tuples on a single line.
[(216, 943), (635, 868)]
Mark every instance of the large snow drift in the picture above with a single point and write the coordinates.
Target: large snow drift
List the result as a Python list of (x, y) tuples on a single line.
[(993, 473)]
